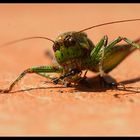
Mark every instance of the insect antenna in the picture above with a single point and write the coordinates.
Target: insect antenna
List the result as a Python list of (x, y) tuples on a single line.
[(27, 38), (107, 23)]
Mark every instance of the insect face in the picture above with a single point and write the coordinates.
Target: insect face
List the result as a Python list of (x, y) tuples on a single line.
[(70, 46)]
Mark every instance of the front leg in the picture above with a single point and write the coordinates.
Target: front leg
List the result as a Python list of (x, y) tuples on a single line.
[(71, 72), (38, 70)]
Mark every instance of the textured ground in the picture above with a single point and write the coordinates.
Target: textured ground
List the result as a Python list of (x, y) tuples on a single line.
[(34, 108)]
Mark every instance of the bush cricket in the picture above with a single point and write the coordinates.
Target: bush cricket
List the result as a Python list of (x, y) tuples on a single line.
[(75, 53)]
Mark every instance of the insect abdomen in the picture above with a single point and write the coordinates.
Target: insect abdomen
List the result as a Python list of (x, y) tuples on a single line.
[(116, 56)]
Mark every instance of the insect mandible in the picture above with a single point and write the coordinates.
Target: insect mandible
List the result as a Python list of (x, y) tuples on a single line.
[(75, 53)]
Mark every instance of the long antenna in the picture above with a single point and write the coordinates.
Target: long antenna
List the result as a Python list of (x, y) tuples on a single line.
[(107, 23), (39, 37), (27, 38)]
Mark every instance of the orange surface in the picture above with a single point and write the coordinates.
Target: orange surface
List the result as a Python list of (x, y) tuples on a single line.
[(47, 109)]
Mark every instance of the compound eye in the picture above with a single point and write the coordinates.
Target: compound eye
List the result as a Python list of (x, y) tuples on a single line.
[(56, 46), (69, 41)]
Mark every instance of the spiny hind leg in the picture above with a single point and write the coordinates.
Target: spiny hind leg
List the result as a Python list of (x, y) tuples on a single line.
[(107, 48), (37, 70)]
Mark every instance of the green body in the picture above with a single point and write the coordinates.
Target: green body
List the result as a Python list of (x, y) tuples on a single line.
[(86, 56), (75, 52)]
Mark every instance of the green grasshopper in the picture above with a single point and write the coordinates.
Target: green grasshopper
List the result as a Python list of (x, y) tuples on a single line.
[(75, 53)]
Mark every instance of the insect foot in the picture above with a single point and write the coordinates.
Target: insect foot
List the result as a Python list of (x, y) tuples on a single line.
[(4, 90), (55, 81)]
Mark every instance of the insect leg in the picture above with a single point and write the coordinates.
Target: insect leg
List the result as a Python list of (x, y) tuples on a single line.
[(45, 75), (72, 72), (97, 56), (37, 70), (97, 48), (100, 47), (101, 72), (119, 39), (113, 54)]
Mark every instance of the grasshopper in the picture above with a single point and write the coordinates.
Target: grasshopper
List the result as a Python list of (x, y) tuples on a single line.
[(75, 53)]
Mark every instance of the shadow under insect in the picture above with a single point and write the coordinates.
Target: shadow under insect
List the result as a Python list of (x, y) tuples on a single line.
[(95, 84)]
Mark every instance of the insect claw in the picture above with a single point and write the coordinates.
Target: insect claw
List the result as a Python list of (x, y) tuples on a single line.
[(66, 84), (4, 90), (55, 80), (120, 85)]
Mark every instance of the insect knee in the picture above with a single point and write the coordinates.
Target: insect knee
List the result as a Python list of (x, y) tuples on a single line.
[(29, 70), (105, 40)]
